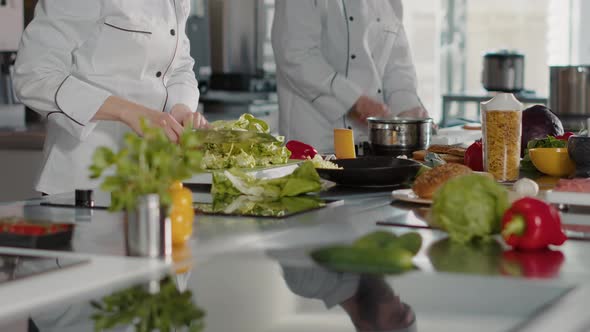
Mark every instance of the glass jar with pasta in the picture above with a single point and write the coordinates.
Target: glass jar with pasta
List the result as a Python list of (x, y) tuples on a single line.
[(502, 131)]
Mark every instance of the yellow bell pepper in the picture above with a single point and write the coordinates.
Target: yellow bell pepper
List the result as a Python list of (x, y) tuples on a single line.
[(182, 215)]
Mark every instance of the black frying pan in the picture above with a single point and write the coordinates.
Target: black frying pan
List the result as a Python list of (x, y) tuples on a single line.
[(372, 172)]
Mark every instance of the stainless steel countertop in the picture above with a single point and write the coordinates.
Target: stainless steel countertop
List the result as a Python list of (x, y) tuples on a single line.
[(253, 274)]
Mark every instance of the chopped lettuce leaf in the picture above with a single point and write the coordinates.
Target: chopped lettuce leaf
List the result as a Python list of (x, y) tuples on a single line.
[(244, 154), (233, 182), (319, 162), (256, 206)]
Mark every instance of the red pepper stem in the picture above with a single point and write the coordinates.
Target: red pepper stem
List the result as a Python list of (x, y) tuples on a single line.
[(516, 226)]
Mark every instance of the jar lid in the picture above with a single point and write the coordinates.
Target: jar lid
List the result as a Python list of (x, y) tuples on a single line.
[(502, 102), (504, 54)]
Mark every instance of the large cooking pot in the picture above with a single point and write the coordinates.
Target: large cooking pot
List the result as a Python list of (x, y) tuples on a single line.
[(570, 90), (399, 136), (503, 71)]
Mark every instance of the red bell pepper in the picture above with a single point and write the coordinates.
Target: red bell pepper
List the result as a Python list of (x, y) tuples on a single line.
[(532, 264), (566, 136), (474, 156), (300, 150), (531, 224)]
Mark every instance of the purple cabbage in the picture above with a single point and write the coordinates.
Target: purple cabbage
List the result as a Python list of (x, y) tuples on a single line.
[(539, 122)]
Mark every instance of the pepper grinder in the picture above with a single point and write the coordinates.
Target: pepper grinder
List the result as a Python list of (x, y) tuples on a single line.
[(84, 198)]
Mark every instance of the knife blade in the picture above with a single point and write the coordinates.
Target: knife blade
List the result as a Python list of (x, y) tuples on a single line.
[(233, 136)]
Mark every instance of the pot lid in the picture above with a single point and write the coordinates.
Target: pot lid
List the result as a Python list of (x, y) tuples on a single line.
[(396, 120), (504, 54)]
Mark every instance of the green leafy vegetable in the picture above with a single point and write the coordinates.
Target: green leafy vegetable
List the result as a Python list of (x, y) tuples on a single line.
[(526, 164), (164, 311), (255, 206), (470, 207), (146, 165), (244, 154), (233, 182)]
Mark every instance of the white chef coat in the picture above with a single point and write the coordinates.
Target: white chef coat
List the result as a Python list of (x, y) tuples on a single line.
[(77, 53), (330, 52)]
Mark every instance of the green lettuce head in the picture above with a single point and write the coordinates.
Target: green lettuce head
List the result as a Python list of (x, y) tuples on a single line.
[(470, 207)]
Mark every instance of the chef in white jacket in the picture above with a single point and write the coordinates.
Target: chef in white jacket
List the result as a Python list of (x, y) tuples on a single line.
[(95, 68), (338, 63)]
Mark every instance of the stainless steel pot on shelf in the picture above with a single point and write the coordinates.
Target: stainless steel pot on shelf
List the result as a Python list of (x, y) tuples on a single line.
[(569, 93), (503, 71), (399, 136)]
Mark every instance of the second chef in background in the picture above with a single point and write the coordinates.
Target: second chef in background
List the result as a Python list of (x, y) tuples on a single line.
[(338, 63), (95, 68)]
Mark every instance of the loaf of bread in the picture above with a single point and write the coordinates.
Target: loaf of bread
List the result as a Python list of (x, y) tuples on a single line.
[(449, 158), (448, 149), (430, 181)]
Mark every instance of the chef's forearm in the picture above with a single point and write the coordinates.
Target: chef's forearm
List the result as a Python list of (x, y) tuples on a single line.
[(118, 109)]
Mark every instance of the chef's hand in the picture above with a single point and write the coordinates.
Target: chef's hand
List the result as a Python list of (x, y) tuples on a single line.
[(365, 107), (416, 112), (184, 116), (130, 113), (166, 121)]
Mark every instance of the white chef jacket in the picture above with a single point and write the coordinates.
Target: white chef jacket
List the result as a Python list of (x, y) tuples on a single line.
[(330, 52), (77, 53)]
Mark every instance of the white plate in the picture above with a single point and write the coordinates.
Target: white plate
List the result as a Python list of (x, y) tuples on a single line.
[(408, 195)]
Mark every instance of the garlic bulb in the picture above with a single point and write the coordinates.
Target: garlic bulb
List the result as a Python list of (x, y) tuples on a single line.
[(526, 188)]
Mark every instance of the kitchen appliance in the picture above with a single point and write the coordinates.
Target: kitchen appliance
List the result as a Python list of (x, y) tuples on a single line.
[(239, 43), (198, 33), (11, 24), (503, 71), (399, 136), (569, 93), (11, 29)]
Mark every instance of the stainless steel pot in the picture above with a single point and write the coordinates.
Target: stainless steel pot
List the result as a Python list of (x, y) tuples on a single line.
[(399, 136), (570, 90), (503, 71)]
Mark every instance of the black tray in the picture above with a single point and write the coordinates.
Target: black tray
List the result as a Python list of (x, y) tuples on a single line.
[(56, 240)]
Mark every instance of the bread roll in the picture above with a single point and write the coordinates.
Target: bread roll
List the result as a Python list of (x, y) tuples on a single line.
[(428, 183)]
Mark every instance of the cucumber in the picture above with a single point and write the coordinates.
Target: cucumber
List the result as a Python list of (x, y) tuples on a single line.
[(378, 239), (412, 242), (364, 260)]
